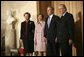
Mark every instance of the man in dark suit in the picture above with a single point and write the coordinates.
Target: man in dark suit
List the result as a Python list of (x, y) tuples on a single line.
[(50, 32), (27, 34), (65, 31)]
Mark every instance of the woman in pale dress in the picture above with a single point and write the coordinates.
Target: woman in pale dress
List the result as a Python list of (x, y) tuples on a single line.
[(39, 39)]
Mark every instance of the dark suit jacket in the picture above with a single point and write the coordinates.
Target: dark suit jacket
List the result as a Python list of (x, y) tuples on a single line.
[(65, 28), (28, 35), (50, 33)]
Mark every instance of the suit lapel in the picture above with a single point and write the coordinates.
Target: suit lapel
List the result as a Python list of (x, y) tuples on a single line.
[(51, 21), (46, 23)]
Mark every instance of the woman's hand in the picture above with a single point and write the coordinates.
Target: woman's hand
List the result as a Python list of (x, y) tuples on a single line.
[(35, 42), (21, 43), (45, 39)]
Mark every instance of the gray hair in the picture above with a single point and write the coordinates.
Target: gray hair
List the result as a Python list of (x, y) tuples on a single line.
[(64, 6)]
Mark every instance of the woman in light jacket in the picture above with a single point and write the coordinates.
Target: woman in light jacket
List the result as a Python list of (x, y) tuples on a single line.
[(39, 39)]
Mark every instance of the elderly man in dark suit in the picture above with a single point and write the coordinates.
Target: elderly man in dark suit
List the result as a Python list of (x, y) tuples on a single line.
[(50, 32), (65, 31)]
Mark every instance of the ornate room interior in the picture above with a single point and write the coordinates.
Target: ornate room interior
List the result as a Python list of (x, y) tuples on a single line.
[(10, 32)]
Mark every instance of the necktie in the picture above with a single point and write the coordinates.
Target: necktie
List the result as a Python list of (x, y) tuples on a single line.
[(61, 16), (48, 22)]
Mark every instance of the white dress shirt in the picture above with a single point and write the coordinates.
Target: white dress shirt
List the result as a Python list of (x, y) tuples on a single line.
[(63, 14), (49, 20)]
